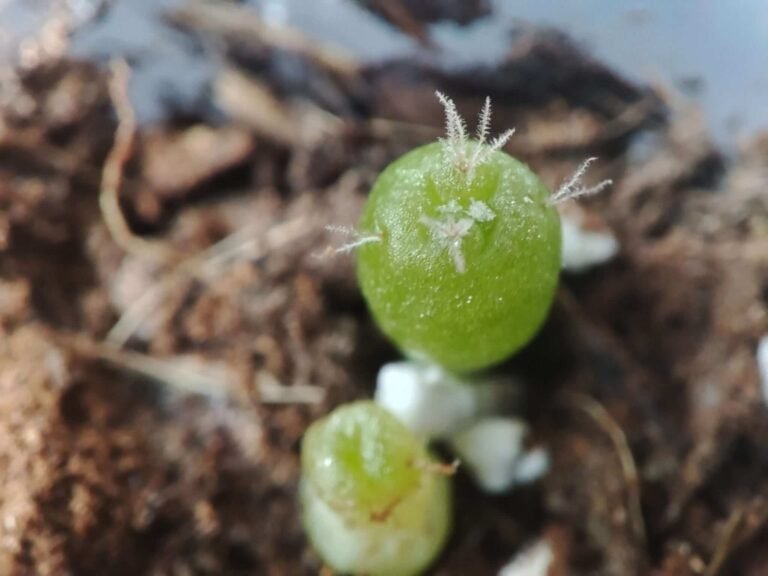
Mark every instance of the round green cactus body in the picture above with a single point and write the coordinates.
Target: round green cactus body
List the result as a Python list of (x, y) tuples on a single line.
[(468, 253), (371, 502)]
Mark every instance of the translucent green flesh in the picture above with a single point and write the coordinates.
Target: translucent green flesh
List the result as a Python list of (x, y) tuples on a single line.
[(370, 503), (470, 320), (387, 548), (361, 459)]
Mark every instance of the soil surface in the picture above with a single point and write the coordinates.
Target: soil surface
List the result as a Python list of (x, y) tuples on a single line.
[(170, 321)]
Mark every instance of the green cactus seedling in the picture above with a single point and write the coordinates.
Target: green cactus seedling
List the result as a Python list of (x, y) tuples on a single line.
[(459, 248)]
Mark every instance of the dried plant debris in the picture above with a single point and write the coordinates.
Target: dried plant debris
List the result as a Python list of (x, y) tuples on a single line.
[(98, 470), (404, 12)]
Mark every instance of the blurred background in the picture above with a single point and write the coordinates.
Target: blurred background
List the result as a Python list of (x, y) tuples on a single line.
[(710, 52)]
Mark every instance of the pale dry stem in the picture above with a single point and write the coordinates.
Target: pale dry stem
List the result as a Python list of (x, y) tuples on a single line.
[(727, 542), (213, 382), (112, 173)]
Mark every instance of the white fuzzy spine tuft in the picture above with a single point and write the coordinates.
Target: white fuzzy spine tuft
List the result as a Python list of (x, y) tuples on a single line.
[(574, 187), (456, 144)]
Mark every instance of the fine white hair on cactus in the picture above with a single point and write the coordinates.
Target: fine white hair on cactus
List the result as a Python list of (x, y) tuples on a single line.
[(456, 142), (357, 239), (501, 140), (455, 128), (484, 120), (574, 187)]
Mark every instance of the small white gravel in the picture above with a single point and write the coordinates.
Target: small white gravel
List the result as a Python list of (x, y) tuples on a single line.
[(492, 449), (435, 403), (471, 416), (533, 561), (584, 249), (762, 365), (532, 466), (428, 400)]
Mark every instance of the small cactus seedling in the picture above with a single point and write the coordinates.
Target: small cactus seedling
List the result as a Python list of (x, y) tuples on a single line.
[(459, 248), (373, 500)]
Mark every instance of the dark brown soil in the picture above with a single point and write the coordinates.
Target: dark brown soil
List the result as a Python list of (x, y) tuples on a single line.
[(113, 466)]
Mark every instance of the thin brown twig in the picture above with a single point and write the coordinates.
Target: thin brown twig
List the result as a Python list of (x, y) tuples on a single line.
[(396, 12), (439, 468), (214, 380), (236, 22), (744, 523), (727, 543), (113, 171), (603, 418)]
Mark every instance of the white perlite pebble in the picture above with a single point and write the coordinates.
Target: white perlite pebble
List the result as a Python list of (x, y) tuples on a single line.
[(584, 249), (532, 466), (493, 452), (534, 561), (435, 403), (762, 365), (425, 398)]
